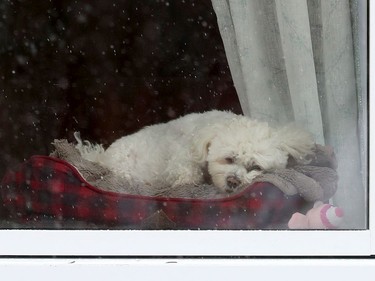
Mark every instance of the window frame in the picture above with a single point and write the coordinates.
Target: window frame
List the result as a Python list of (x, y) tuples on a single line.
[(158, 243)]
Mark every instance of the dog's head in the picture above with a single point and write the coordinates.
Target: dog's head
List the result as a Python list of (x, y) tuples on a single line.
[(239, 150)]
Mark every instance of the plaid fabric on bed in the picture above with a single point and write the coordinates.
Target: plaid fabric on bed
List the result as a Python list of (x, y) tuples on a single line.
[(45, 187)]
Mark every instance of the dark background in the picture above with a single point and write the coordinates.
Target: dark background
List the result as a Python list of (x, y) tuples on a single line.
[(104, 68)]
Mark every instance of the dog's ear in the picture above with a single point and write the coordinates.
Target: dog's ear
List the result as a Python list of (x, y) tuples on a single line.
[(201, 144), (295, 141)]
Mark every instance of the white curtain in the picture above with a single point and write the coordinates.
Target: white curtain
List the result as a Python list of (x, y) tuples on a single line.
[(304, 61)]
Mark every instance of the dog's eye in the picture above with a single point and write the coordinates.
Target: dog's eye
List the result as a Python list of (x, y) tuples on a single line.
[(254, 168), (229, 160)]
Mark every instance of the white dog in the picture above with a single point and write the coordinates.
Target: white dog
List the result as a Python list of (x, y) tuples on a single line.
[(216, 147)]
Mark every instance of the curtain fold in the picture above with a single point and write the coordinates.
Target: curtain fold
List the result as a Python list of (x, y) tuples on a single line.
[(302, 61), (293, 20)]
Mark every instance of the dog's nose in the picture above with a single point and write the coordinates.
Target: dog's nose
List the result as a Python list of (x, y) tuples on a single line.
[(233, 182)]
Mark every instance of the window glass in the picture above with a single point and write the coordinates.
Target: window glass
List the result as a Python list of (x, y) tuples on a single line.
[(106, 69)]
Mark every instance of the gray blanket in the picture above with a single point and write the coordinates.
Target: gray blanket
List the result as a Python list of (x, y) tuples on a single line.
[(314, 181)]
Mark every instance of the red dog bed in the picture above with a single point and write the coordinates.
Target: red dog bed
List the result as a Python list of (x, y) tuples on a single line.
[(49, 190)]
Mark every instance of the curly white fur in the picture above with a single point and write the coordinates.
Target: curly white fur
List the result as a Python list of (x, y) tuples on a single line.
[(217, 147)]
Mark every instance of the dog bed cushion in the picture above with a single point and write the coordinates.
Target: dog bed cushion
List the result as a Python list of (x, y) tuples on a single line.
[(46, 192)]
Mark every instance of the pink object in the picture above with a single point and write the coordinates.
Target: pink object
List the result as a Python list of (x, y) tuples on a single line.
[(321, 216)]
